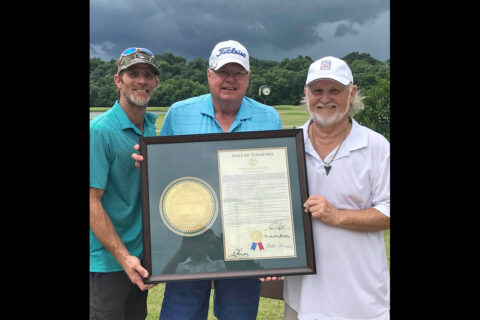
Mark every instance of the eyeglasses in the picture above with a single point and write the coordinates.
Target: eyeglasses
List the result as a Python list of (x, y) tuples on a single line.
[(237, 74), (129, 51)]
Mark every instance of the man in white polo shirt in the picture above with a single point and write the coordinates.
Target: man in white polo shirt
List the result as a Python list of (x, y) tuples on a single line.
[(348, 169)]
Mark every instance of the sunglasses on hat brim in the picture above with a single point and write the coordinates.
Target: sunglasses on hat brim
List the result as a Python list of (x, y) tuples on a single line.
[(132, 50)]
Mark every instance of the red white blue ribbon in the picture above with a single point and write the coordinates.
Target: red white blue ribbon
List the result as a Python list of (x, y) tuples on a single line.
[(254, 245)]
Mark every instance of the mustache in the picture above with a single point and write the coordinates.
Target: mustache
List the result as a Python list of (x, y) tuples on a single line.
[(328, 105)]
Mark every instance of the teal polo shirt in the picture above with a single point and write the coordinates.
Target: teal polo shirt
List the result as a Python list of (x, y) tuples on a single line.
[(196, 115), (112, 169)]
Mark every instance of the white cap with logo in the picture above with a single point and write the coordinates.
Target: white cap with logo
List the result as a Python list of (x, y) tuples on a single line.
[(227, 52), (330, 68)]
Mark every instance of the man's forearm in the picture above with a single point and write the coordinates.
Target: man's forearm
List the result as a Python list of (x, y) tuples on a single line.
[(105, 232), (367, 220)]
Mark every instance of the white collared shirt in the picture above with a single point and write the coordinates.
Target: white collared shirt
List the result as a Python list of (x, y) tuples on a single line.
[(352, 280)]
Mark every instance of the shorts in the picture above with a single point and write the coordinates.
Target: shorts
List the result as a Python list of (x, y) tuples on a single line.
[(114, 297), (233, 299)]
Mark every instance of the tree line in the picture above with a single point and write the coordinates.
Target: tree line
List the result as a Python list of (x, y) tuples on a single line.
[(180, 80)]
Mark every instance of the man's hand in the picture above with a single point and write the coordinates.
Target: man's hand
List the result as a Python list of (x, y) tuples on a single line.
[(137, 157), (270, 278), (365, 220), (321, 209), (136, 272)]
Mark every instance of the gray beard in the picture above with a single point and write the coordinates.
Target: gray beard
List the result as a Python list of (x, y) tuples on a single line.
[(138, 103)]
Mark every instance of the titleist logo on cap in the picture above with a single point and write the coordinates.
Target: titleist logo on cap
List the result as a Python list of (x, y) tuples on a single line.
[(227, 50)]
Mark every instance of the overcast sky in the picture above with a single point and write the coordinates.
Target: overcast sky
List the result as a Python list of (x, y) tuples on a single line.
[(269, 29)]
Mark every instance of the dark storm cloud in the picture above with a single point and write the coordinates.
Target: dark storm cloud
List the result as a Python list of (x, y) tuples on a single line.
[(344, 29), (190, 28)]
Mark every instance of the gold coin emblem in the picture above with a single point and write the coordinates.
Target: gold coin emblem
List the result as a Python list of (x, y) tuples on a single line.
[(188, 206)]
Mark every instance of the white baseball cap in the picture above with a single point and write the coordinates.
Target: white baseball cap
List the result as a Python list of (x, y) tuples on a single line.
[(329, 68), (227, 52)]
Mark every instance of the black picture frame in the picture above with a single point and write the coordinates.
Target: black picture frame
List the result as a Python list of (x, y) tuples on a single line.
[(203, 255)]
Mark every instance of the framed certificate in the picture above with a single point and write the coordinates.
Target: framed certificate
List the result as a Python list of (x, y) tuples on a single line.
[(225, 205)]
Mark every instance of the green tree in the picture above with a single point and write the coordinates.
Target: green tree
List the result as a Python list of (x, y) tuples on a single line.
[(376, 114), (357, 56), (180, 80), (172, 90), (196, 70)]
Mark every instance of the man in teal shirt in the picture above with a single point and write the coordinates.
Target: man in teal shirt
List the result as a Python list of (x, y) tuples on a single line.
[(116, 240)]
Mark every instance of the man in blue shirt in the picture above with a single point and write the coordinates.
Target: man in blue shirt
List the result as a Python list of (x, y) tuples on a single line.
[(224, 109), (116, 240), (198, 115)]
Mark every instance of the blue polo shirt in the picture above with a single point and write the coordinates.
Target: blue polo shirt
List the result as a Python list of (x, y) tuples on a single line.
[(233, 298), (112, 137), (196, 115)]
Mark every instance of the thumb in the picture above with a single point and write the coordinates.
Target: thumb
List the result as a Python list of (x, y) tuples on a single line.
[(142, 271)]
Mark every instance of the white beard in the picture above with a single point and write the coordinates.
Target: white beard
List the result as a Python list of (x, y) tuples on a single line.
[(326, 121)]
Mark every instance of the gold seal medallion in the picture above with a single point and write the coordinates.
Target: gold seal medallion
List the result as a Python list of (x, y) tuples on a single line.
[(188, 206), (257, 236)]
